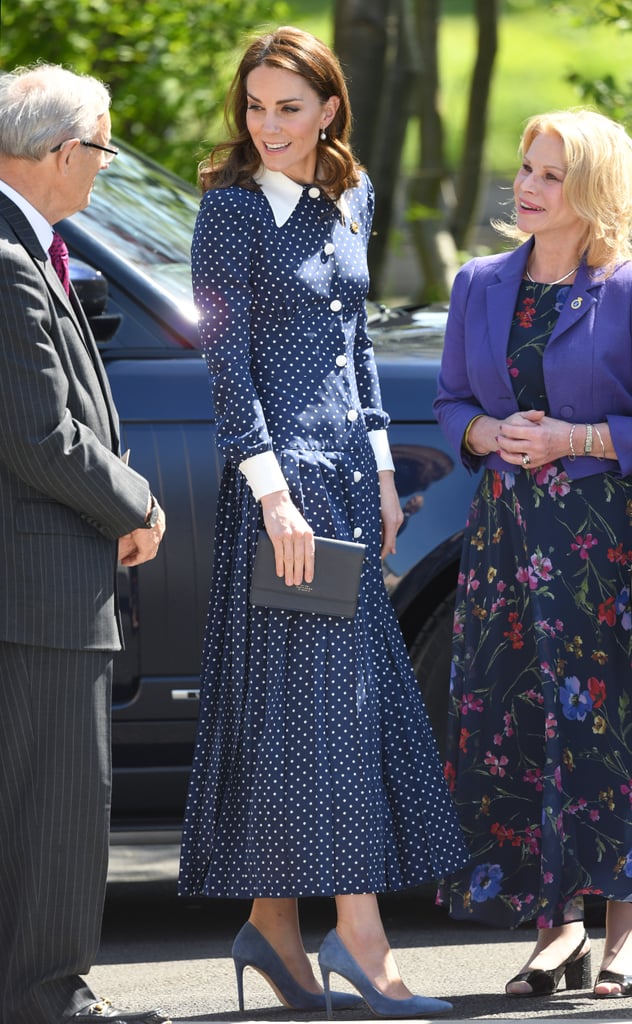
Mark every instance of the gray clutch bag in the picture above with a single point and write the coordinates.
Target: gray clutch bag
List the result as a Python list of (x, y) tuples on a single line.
[(333, 591)]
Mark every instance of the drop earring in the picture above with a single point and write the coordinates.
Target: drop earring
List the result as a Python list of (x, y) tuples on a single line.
[(323, 135)]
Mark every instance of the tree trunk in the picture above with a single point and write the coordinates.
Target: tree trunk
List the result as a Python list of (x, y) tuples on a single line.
[(403, 66), (389, 51), (433, 242), (469, 179), (360, 40)]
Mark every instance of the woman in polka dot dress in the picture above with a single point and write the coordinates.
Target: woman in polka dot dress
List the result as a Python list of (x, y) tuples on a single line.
[(315, 770)]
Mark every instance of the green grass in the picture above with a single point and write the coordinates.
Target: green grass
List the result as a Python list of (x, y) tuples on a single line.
[(315, 16), (538, 47), (537, 51)]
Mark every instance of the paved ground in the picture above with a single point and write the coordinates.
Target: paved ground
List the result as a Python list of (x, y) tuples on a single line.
[(159, 950)]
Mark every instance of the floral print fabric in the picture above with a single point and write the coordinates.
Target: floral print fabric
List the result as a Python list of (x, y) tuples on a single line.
[(539, 754)]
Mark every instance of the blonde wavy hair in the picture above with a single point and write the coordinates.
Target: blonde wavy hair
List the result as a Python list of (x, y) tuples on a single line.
[(597, 185), (234, 161)]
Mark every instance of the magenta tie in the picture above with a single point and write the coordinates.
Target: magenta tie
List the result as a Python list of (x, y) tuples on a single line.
[(58, 253)]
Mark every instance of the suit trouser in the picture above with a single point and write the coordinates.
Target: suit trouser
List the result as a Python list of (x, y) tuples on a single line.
[(55, 790)]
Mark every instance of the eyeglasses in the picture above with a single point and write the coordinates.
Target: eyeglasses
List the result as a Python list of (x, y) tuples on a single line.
[(92, 145), (104, 149)]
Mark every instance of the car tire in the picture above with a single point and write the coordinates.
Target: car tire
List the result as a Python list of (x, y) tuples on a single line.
[(430, 653)]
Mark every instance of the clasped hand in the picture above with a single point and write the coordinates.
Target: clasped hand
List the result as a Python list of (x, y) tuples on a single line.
[(531, 438), (142, 545)]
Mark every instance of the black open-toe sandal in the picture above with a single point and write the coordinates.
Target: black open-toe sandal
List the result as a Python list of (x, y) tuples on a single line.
[(575, 969), (624, 981)]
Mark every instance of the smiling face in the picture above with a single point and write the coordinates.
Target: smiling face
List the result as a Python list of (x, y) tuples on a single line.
[(285, 117), (538, 190)]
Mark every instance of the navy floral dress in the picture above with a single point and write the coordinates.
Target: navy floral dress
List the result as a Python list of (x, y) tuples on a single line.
[(315, 770), (540, 738)]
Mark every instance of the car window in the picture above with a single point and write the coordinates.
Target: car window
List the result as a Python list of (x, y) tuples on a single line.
[(147, 216)]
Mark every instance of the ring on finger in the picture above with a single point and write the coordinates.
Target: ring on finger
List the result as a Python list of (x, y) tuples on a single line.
[(526, 461)]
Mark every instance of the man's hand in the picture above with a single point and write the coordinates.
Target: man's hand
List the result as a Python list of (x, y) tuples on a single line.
[(142, 545)]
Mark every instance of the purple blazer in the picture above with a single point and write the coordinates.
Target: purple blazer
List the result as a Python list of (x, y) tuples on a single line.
[(587, 361)]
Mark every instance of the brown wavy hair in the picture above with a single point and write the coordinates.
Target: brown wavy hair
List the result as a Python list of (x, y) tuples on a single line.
[(597, 185), (234, 161)]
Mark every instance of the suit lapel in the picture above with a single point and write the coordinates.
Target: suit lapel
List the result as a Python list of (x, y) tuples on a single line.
[(501, 300), (585, 291), (28, 239)]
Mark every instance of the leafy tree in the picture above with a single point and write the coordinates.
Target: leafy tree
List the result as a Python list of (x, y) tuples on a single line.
[(168, 65), (611, 96), (389, 49), (375, 41)]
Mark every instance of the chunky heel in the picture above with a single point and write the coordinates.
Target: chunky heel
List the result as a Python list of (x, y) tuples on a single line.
[(575, 970), (578, 973)]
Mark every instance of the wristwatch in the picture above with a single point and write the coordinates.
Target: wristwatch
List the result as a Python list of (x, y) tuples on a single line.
[(152, 516)]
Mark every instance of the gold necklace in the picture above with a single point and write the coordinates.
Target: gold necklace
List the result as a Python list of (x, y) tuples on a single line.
[(551, 283)]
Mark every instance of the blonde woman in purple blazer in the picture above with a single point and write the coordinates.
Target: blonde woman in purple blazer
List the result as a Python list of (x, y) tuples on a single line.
[(536, 390)]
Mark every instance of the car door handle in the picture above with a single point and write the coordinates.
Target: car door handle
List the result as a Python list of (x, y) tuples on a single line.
[(185, 694)]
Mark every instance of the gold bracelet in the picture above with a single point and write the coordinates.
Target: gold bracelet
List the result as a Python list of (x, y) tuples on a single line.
[(603, 447), (466, 435), (573, 453), (589, 439)]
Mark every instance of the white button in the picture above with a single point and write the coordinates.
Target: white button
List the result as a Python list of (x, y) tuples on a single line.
[(357, 532), (313, 192), (341, 360), (357, 476), (328, 248), (335, 305), (352, 415)]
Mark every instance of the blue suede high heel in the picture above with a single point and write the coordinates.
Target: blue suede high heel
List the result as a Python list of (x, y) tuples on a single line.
[(334, 957), (251, 949)]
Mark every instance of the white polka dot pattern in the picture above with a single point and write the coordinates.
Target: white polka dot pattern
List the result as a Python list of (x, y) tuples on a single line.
[(315, 769)]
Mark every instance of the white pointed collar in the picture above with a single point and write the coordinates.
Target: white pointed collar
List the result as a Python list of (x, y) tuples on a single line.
[(283, 194)]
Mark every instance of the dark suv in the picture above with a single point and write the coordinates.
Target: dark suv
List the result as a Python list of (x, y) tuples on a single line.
[(130, 253)]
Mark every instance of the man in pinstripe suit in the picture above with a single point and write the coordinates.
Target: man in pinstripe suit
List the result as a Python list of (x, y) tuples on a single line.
[(69, 506)]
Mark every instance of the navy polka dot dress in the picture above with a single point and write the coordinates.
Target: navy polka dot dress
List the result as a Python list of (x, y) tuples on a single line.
[(315, 769)]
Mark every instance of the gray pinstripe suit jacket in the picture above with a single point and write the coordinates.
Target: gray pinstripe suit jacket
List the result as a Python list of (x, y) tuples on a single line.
[(65, 496)]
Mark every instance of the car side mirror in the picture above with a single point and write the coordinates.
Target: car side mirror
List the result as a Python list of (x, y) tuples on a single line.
[(92, 291)]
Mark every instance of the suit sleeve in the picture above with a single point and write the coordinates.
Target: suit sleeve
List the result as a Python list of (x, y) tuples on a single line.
[(455, 404), (617, 372), (49, 395)]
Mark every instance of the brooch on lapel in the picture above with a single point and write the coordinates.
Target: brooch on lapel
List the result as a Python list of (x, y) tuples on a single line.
[(576, 303)]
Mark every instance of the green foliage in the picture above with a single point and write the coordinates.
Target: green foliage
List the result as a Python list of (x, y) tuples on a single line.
[(167, 65), (604, 91), (550, 57), (595, 12)]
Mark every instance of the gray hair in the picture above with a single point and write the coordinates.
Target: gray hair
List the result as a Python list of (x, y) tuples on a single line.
[(44, 105)]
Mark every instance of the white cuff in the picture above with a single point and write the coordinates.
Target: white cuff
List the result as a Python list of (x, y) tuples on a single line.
[(263, 474), (381, 449)]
